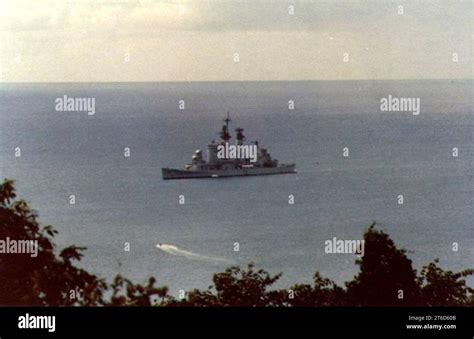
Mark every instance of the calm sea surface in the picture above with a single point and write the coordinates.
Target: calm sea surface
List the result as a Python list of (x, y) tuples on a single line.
[(122, 199)]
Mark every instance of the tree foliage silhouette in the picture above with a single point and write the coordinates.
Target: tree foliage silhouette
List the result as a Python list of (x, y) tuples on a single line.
[(47, 279), (386, 276), (441, 288), (235, 287)]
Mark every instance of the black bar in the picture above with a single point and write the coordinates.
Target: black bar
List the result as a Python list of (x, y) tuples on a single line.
[(82, 320)]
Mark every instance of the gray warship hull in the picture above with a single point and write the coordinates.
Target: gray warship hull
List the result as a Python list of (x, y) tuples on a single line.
[(169, 173)]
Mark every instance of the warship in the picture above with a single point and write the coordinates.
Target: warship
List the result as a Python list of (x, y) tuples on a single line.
[(222, 163)]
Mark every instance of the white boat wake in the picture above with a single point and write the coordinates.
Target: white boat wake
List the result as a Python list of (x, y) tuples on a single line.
[(171, 249)]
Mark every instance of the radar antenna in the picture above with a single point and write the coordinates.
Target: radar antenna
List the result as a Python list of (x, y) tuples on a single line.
[(239, 135), (225, 129)]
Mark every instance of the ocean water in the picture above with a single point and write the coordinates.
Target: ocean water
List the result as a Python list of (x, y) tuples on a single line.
[(121, 199)]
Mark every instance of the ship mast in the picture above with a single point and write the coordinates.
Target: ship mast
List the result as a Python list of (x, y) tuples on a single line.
[(225, 129), (239, 135)]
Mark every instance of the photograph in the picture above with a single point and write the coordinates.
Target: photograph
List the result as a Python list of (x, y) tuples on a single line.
[(236, 164)]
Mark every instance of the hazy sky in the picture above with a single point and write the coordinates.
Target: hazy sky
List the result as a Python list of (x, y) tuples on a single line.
[(151, 40)]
